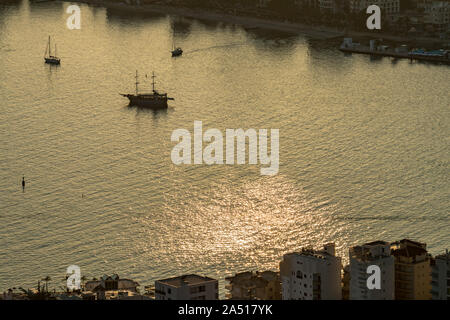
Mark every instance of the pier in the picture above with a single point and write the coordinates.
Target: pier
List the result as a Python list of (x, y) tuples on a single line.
[(401, 52)]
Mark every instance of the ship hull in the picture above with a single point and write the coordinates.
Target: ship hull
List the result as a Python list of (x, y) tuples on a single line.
[(52, 61), (151, 103), (177, 53)]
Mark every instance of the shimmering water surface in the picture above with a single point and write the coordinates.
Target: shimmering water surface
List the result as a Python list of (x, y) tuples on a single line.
[(364, 148)]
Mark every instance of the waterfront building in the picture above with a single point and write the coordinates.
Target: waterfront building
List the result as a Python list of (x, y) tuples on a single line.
[(388, 6), (311, 274), (436, 14), (412, 270), (263, 3), (346, 283), (361, 257), (110, 283), (118, 295), (329, 6), (249, 285), (325, 6), (13, 294), (440, 277), (187, 287)]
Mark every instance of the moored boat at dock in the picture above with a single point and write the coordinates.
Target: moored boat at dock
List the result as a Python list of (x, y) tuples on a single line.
[(401, 52)]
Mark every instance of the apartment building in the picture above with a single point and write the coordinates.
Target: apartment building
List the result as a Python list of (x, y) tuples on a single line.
[(257, 285), (440, 277), (329, 6), (187, 287), (111, 283), (436, 13), (412, 270), (388, 6), (311, 274), (361, 257)]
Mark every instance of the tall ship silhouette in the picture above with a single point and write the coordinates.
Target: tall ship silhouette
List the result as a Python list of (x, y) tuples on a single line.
[(154, 100)]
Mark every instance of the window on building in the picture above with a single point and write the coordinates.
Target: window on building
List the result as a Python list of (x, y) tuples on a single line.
[(193, 290)]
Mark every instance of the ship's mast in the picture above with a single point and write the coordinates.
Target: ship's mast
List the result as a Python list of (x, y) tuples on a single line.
[(153, 81), (49, 47), (137, 82)]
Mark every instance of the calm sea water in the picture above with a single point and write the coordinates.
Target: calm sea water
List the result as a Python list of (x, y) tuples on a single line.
[(364, 148)]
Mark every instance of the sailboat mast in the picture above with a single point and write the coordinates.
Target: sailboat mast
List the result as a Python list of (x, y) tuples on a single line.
[(46, 50), (137, 82), (49, 47)]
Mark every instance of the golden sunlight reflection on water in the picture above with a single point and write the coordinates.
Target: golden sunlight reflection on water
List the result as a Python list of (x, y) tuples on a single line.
[(250, 225)]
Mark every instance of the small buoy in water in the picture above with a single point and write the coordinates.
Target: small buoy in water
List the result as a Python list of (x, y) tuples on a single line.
[(23, 183)]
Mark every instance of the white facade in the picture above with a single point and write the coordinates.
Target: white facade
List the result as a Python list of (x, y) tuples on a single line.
[(109, 283), (311, 275), (361, 257), (187, 287), (440, 277)]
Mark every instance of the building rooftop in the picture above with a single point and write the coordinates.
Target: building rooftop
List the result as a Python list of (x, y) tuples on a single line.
[(327, 251), (444, 256), (370, 251), (409, 252), (189, 279), (253, 277), (407, 242), (375, 243)]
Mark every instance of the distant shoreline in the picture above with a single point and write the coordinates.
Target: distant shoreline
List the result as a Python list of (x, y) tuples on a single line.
[(315, 32)]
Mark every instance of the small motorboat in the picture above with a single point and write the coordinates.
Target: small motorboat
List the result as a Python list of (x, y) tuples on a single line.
[(176, 51)]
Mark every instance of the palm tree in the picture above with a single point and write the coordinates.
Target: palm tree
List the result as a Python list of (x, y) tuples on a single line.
[(47, 279)]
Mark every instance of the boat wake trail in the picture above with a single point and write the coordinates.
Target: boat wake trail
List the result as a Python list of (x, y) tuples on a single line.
[(216, 47)]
